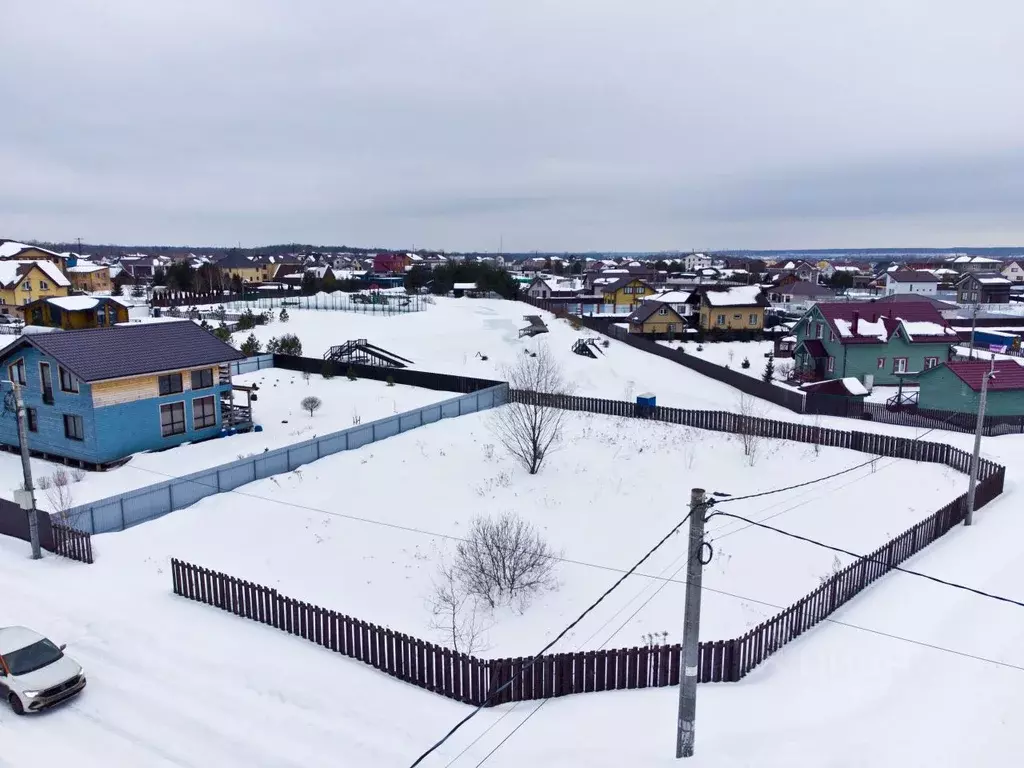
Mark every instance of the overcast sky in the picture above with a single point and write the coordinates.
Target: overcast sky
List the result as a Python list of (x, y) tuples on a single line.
[(555, 125)]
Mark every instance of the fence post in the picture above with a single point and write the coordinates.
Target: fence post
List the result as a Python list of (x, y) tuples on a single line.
[(92, 510)]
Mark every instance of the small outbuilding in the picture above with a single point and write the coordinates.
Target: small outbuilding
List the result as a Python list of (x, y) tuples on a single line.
[(956, 386)]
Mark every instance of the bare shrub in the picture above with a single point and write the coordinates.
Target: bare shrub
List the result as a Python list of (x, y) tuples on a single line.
[(459, 617), (748, 410), (356, 418), (504, 559), (528, 430), (43, 483), (311, 404), (78, 474)]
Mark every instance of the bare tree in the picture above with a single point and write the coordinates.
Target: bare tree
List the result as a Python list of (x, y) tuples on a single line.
[(58, 493), (749, 409), (458, 616), (530, 427), (504, 559), (311, 404)]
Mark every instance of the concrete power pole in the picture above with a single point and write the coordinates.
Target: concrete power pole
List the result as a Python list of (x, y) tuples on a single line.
[(26, 497), (974, 327), (689, 654), (976, 458)]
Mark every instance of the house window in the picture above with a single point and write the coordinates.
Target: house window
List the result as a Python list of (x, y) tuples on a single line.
[(819, 331), (662, 311), (720, 320), (831, 335), (16, 372), (33, 419), (752, 320), (68, 380), (27, 285), (202, 379), (671, 327), (831, 364), (930, 362), (170, 384), (881, 363), (204, 413), (43, 285), (899, 365), (73, 428), (172, 419)]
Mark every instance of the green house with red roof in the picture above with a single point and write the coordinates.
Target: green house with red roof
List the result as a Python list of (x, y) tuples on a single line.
[(836, 340), (957, 387)]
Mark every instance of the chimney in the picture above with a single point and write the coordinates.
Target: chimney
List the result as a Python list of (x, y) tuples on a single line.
[(856, 322)]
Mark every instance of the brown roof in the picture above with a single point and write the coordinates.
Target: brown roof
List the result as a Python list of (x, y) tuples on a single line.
[(644, 312)]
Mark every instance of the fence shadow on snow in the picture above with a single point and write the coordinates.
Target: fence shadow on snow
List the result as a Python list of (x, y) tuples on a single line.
[(471, 680)]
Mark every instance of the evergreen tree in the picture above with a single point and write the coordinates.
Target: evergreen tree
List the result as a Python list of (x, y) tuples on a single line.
[(222, 332), (283, 317), (251, 346), (769, 369)]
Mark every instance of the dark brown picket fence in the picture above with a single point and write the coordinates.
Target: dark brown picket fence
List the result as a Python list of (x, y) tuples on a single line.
[(72, 543), (496, 681)]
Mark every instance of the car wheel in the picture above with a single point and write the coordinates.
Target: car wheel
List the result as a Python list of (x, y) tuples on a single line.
[(16, 704)]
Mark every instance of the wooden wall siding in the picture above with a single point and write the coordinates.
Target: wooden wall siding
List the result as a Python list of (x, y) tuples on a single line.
[(129, 390)]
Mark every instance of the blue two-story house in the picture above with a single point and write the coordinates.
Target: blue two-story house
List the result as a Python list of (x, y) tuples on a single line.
[(99, 395)]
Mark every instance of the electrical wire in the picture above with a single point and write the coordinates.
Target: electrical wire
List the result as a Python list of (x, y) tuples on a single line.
[(909, 572), (558, 637)]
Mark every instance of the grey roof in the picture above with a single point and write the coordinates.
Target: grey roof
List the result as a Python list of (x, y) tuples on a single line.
[(644, 312), (805, 288), (912, 276), (96, 354)]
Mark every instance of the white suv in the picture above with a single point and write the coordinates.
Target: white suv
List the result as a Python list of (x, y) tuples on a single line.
[(34, 673)]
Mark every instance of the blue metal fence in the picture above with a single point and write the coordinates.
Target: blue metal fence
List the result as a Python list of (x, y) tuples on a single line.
[(252, 364), (115, 513)]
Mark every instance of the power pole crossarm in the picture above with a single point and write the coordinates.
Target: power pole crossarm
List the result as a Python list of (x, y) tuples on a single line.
[(689, 653)]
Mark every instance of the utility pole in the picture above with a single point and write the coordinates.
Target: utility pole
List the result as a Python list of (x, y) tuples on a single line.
[(976, 458), (26, 497), (689, 653), (974, 325)]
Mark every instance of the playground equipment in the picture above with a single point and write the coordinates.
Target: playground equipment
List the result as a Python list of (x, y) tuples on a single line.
[(536, 325), (587, 347), (360, 351)]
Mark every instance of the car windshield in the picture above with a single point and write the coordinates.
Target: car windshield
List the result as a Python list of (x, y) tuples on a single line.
[(32, 657)]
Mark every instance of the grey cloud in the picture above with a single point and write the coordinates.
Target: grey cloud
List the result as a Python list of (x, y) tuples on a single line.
[(562, 125)]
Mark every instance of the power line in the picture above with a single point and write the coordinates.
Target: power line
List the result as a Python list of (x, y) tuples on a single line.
[(907, 571), (560, 635), (849, 625)]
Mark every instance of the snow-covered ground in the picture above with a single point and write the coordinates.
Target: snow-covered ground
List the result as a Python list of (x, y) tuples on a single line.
[(731, 354), (277, 410), (453, 335), (614, 487), (247, 695)]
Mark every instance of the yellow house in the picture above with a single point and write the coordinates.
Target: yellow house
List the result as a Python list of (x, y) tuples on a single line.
[(22, 282), (245, 269), (10, 249), (655, 318), (733, 309), (90, 278), (75, 312), (626, 294)]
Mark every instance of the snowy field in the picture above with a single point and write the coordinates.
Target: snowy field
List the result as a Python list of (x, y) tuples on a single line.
[(616, 486), (453, 335), (731, 354), (277, 410)]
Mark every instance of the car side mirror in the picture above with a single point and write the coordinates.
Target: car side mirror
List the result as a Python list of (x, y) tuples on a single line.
[(63, 646)]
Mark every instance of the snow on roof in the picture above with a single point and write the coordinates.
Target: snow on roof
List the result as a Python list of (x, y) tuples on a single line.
[(854, 386), (992, 280), (864, 328), (74, 303), (84, 269), (11, 248), (53, 272), (671, 297), (1009, 375), (464, 286), (925, 328), (739, 296)]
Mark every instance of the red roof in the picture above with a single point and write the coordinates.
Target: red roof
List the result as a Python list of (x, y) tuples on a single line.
[(890, 316), (1009, 374)]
